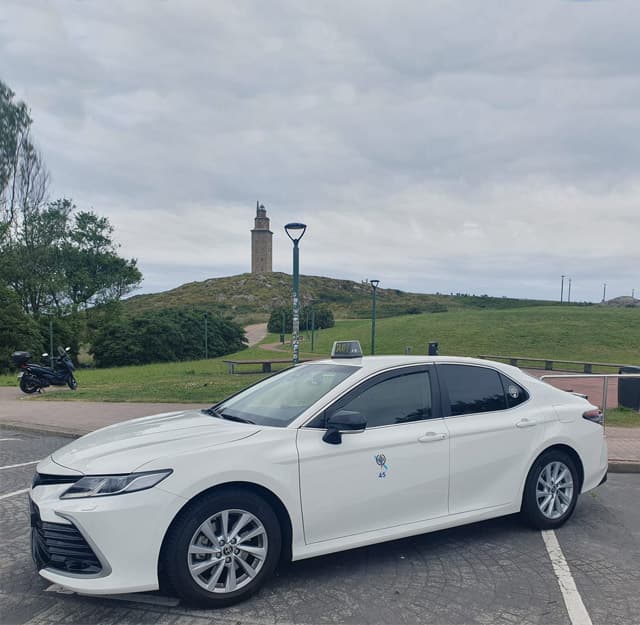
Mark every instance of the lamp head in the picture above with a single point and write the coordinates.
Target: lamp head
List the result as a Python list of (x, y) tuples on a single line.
[(374, 283), (294, 228)]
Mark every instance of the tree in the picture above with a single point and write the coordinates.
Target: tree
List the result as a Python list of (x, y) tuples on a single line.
[(14, 129), (55, 258), (323, 318), (17, 330), (94, 273), (164, 336)]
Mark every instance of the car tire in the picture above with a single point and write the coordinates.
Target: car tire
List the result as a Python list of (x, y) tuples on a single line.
[(205, 564), (551, 491)]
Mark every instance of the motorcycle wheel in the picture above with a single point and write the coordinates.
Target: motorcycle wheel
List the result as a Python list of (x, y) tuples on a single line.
[(28, 384), (72, 383)]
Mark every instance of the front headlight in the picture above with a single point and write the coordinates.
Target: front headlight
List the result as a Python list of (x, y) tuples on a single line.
[(103, 485)]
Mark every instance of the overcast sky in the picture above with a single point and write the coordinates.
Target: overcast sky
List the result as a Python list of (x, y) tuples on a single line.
[(481, 147)]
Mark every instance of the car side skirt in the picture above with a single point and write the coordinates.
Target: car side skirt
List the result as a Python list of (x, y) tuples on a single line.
[(401, 531)]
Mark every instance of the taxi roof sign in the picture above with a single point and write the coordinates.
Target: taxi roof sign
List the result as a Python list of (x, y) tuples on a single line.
[(346, 349)]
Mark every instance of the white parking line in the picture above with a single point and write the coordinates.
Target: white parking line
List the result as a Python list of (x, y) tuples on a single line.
[(15, 492), (575, 607), (22, 464)]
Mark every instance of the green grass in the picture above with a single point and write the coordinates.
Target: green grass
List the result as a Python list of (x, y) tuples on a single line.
[(576, 333), (622, 417), (200, 381), (586, 333)]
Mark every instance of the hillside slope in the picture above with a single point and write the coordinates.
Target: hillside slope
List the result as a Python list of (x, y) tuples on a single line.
[(252, 297)]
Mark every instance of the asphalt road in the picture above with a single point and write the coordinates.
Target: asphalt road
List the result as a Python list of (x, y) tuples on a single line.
[(491, 572)]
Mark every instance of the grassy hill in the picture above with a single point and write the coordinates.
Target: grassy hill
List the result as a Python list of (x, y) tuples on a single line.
[(251, 297), (597, 333), (575, 333)]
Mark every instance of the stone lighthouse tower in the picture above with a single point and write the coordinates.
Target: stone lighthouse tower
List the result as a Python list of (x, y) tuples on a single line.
[(261, 243)]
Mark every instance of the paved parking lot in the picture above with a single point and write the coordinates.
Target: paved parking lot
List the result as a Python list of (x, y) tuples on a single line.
[(491, 572)]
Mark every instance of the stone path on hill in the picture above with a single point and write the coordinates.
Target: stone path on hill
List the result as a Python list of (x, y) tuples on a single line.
[(256, 333)]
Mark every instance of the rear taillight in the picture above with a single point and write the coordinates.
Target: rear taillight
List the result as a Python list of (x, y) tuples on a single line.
[(594, 415)]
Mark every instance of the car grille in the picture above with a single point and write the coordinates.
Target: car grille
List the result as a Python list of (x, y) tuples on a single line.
[(60, 546), (44, 479)]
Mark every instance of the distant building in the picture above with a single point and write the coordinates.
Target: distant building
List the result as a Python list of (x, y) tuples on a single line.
[(261, 242)]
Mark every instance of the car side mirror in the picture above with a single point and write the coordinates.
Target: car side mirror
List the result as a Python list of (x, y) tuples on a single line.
[(343, 422)]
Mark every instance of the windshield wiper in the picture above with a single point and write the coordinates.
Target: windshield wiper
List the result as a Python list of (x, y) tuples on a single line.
[(216, 413)]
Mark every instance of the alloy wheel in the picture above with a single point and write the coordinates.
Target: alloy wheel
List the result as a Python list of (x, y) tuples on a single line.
[(554, 490), (227, 551)]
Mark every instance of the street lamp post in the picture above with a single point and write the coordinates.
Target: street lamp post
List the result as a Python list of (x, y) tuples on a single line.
[(295, 231), (374, 284), (206, 335)]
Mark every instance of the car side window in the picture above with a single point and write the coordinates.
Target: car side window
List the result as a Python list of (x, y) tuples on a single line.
[(514, 393), (472, 389), (400, 399)]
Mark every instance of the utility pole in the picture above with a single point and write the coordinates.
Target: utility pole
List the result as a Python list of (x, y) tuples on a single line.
[(374, 285), (313, 329), (51, 360), (206, 335)]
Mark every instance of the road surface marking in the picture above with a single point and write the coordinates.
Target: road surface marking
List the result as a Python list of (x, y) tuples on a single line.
[(22, 464), (16, 492), (9, 439), (573, 601)]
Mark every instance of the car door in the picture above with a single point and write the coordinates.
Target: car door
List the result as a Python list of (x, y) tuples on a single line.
[(493, 429), (394, 472)]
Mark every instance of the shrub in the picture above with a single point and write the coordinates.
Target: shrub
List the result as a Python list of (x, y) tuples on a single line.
[(164, 336), (323, 319)]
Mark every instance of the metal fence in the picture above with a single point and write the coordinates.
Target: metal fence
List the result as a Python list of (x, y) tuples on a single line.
[(590, 376)]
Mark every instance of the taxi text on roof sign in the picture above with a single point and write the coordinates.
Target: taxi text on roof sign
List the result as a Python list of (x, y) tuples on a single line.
[(346, 349)]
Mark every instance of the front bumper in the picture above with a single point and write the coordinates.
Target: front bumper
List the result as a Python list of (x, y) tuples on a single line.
[(123, 533)]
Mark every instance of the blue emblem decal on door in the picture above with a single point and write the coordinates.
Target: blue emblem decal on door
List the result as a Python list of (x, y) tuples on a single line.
[(381, 461)]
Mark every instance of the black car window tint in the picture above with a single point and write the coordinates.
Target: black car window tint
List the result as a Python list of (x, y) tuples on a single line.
[(514, 393), (400, 399), (472, 389)]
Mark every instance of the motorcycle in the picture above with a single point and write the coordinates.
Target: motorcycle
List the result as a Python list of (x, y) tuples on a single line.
[(34, 377)]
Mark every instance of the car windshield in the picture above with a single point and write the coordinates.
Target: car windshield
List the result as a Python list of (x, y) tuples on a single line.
[(280, 399)]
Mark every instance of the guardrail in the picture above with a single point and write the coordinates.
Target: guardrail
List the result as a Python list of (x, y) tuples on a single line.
[(549, 362), (605, 382)]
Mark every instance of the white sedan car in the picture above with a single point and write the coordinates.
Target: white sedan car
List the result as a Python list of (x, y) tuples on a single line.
[(322, 457)]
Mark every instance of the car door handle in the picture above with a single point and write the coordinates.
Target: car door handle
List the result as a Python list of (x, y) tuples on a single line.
[(431, 437), (526, 423)]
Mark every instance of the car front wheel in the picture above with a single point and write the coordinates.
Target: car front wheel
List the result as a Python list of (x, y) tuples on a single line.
[(551, 491), (222, 548)]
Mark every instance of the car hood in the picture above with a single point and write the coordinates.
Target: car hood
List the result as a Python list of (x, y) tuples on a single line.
[(124, 447)]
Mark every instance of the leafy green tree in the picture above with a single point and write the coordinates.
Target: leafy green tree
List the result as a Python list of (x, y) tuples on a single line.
[(61, 260), (14, 128), (164, 336), (323, 318), (18, 331), (94, 273)]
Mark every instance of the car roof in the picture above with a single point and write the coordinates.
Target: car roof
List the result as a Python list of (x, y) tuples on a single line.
[(378, 363)]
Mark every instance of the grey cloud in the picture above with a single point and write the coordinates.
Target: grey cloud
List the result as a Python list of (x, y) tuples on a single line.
[(489, 146)]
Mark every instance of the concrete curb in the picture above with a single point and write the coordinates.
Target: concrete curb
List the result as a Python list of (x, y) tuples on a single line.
[(624, 466), (615, 466), (42, 429)]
